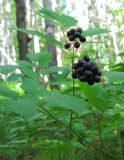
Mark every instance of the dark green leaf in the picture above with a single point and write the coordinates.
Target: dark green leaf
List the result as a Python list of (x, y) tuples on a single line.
[(39, 34), (115, 76), (67, 102)]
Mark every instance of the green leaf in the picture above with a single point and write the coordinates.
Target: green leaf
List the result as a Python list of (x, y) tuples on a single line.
[(26, 107), (68, 102), (29, 72), (64, 21), (31, 86), (2, 132), (116, 87), (39, 34), (97, 96), (8, 69), (53, 69), (5, 92), (96, 31), (43, 59), (115, 76)]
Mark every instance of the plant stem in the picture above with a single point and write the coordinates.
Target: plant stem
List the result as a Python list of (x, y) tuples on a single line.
[(82, 140), (100, 136), (120, 143), (73, 93)]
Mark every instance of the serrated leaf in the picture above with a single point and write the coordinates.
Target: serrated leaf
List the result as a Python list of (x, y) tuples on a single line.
[(29, 72), (64, 21), (31, 86), (43, 59), (5, 92), (68, 102), (26, 107), (39, 34), (95, 31)]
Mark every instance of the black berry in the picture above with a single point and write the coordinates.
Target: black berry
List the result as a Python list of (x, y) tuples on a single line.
[(90, 82), (86, 58), (93, 63), (80, 71), (74, 75), (75, 66), (77, 35), (72, 31), (99, 73), (82, 78), (79, 30), (88, 75), (71, 38), (68, 34), (77, 45), (82, 39), (67, 45), (97, 79), (94, 69)]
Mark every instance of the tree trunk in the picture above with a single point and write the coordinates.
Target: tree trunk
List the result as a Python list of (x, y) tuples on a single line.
[(49, 28), (21, 23)]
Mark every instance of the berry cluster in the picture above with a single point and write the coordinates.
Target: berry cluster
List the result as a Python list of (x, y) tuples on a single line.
[(86, 71), (74, 35)]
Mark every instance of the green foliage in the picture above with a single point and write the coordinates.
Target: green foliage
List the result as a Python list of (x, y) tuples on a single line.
[(95, 31), (39, 34), (58, 118), (115, 76), (5, 92), (7, 69), (60, 19)]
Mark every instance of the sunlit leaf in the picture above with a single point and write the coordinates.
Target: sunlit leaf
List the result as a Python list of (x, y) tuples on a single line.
[(95, 31), (64, 21), (5, 92)]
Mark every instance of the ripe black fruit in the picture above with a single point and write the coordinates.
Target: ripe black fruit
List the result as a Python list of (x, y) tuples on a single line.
[(75, 66), (93, 63), (90, 82), (68, 34), (79, 30), (77, 45), (88, 75), (67, 45), (94, 69), (99, 73), (97, 79), (74, 75), (77, 35), (80, 71), (72, 31), (87, 66), (82, 39), (82, 78), (71, 38), (86, 58)]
